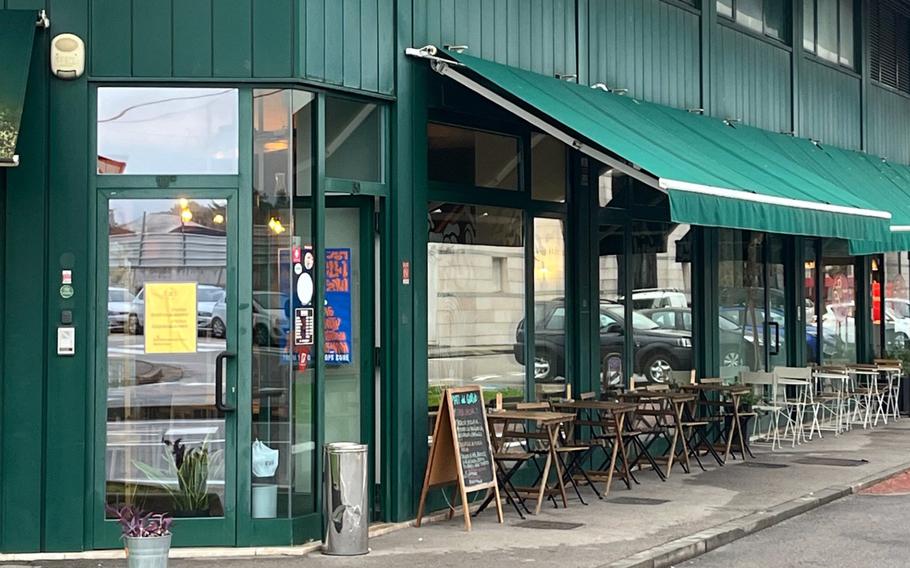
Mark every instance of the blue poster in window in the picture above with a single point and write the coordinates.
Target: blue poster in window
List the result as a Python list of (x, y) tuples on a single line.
[(338, 317)]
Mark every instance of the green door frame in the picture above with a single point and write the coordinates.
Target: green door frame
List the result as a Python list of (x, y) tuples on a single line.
[(244, 530), (219, 531)]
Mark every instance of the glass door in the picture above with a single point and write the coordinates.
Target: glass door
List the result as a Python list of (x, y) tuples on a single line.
[(776, 313), (167, 420)]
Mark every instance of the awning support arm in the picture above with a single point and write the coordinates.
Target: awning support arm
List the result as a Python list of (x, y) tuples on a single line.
[(444, 68)]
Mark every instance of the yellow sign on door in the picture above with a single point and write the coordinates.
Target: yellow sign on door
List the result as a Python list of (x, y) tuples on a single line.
[(170, 317)]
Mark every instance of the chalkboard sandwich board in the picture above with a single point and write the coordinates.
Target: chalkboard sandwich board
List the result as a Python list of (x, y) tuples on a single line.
[(461, 453)]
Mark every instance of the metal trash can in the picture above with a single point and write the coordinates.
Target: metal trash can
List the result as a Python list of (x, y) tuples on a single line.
[(347, 510)]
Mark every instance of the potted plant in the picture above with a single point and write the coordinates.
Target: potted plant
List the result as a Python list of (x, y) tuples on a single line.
[(146, 536), (191, 469)]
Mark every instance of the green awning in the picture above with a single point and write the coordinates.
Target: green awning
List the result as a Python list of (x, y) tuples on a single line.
[(17, 34), (715, 173)]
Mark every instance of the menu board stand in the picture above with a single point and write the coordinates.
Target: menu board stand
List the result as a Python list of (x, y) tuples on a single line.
[(461, 453)]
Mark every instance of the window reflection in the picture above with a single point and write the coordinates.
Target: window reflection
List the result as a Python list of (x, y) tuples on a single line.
[(548, 168), (475, 299), (612, 302), (353, 140), (742, 289), (282, 389), (161, 420), (897, 303), (472, 157), (838, 296), (155, 130), (549, 305), (662, 300)]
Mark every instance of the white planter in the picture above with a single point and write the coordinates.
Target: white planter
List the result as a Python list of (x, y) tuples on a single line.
[(147, 552)]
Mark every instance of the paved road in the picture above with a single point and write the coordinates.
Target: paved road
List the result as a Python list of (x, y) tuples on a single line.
[(859, 531)]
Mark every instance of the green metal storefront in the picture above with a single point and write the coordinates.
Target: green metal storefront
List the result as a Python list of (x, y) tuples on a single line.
[(53, 206)]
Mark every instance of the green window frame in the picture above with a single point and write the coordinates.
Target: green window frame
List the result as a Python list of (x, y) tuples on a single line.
[(519, 199), (775, 17), (846, 18)]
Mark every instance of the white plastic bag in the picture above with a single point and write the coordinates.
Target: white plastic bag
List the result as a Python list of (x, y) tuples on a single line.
[(265, 460)]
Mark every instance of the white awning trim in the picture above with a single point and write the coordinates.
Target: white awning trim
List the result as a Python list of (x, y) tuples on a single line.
[(671, 184)]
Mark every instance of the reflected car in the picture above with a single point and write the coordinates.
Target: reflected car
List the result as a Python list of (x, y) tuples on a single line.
[(736, 345), (832, 345), (839, 322), (657, 351), (206, 298), (118, 307), (270, 321)]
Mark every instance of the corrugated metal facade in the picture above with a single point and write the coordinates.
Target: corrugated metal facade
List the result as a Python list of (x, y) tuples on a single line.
[(649, 47), (830, 105), (538, 35), (346, 43), (889, 117), (751, 80)]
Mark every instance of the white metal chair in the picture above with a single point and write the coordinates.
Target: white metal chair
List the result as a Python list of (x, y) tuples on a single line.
[(827, 401), (795, 385), (771, 407), (892, 370)]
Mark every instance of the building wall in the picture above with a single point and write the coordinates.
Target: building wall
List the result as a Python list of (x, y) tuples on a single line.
[(659, 50), (344, 43)]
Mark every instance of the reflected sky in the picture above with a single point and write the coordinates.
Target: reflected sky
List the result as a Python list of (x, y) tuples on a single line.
[(146, 130)]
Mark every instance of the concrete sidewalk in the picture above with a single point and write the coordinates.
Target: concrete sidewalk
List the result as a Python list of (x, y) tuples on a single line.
[(630, 528)]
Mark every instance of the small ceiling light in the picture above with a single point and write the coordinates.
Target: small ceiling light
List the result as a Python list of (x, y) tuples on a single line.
[(186, 216), (218, 219), (276, 226), (183, 203)]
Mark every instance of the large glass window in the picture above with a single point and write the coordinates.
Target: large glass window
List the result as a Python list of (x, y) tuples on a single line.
[(283, 394), (476, 300), (612, 304), (828, 30), (549, 304), (897, 302), (810, 305), (662, 300), (472, 157), (741, 277), (157, 130), (839, 295), (353, 140), (768, 17), (548, 168)]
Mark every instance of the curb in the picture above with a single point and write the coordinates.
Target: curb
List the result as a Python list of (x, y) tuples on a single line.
[(689, 547)]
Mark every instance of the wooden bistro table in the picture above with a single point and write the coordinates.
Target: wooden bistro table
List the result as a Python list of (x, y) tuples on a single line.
[(665, 404), (602, 416), (546, 421), (735, 393)]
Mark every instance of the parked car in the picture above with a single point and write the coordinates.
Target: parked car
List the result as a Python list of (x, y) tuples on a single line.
[(736, 345), (206, 298), (118, 307), (657, 351), (270, 321)]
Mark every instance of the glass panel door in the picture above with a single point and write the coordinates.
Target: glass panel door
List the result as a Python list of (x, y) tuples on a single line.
[(170, 384), (775, 315)]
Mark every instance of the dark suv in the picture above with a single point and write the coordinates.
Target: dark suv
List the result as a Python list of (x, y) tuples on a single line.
[(657, 351)]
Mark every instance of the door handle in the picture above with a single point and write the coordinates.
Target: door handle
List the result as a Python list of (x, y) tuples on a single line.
[(219, 380), (776, 349)]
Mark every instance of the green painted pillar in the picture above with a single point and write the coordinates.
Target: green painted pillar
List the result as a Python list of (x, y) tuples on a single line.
[(70, 380)]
